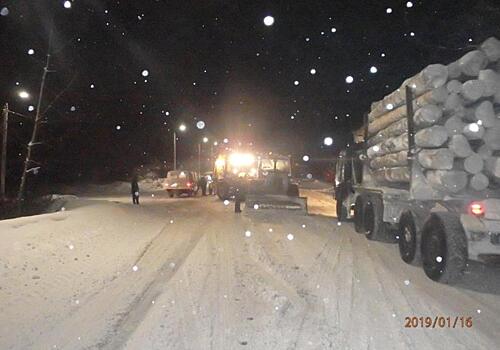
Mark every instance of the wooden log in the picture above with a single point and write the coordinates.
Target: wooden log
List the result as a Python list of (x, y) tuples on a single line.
[(454, 104), (395, 129), (452, 181), (484, 151), (454, 86), (491, 81), (428, 115), (479, 182), (485, 114), (383, 121), (492, 167), (472, 90), (391, 160), (473, 131), (459, 145), (492, 136), (420, 187), (440, 158), (434, 136), (391, 145), (454, 125), (392, 175), (491, 48), (473, 62), (473, 164), (454, 71), (431, 77)]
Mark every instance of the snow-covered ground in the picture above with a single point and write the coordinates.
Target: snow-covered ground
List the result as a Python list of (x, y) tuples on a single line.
[(189, 273)]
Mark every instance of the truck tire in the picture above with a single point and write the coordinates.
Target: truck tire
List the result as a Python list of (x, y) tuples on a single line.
[(408, 241), (375, 228), (293, 190), (444, 248), (341, 211), (358, 214), (222, 191)]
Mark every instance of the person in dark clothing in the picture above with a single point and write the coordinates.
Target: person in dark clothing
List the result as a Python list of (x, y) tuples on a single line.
[(135, 190), (203, 185)]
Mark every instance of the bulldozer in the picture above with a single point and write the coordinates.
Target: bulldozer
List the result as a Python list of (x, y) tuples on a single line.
[(262, 181)]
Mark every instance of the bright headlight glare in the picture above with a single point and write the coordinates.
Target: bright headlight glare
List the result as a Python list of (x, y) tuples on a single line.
[(241, 159)]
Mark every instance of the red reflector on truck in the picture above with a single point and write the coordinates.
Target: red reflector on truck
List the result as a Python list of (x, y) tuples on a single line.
[(476, 208)]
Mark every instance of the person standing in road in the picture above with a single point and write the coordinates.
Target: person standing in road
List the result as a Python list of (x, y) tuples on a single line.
[(135, 190), (203, 184)]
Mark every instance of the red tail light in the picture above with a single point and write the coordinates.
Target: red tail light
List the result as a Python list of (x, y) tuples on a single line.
[(477, 209)]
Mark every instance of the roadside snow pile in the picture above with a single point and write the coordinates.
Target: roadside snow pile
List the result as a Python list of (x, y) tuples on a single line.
[(59, 201)]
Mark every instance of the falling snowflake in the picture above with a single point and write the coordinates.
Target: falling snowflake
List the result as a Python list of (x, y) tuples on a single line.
[(412, 34), (339, 223), (388, 10), (248, 233), (409, 4), (135, 268), (67, 4), (71, 246), (31, 52), (328, 141), (303, 225), (349, 79), (31, 108), (333, 30), (256, 206), (4, 11), (92, 86), (313, 71), (296, 82), (309, 176), (407, 282), (72, 109), (373, 69), (270, 230), (172, 265), (307, 39), (118, 127), (439, 259), (171, 221), (226, 202), (389, 106), (289, 236), (305, 158), (200, 125), (478, 311), (269, 20), (145, 73)]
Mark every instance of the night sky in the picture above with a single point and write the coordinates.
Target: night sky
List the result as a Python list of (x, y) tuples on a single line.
[(130, 71)]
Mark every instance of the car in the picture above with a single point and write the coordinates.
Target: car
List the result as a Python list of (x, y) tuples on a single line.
[(180, 182)]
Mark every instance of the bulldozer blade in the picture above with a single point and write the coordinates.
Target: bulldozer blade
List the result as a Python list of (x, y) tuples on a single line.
[(257, 202)]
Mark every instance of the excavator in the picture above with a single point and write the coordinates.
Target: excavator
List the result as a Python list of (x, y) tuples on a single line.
[(262, 180)]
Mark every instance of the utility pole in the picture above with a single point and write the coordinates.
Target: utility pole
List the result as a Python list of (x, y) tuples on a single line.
[(199, 158), (36, 127), (175, 150), (3, 170)]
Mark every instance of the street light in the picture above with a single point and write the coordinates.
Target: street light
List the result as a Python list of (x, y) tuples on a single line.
[(24, 95), (182, 128)]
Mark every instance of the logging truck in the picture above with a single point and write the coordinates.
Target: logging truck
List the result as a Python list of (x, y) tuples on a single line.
[(426, 171)]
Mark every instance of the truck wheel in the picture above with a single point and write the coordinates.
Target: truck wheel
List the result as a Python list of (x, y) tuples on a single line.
[(409, 245), (293, 190), (374, 227), (341, 211), (444, 248), (222, 191), (358, 214)]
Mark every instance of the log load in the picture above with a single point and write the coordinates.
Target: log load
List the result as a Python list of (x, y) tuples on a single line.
[(456, 128)]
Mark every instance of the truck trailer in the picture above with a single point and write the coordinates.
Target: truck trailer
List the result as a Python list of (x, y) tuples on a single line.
[(426, 173)]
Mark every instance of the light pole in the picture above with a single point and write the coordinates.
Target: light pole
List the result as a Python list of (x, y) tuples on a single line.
[(205, 140), (3, 170), (182, 128)]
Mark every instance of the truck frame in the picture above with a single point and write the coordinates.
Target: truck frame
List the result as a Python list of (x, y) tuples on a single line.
[(441, 234)]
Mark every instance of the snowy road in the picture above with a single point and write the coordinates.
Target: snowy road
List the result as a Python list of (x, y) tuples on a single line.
[(191, 274)]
